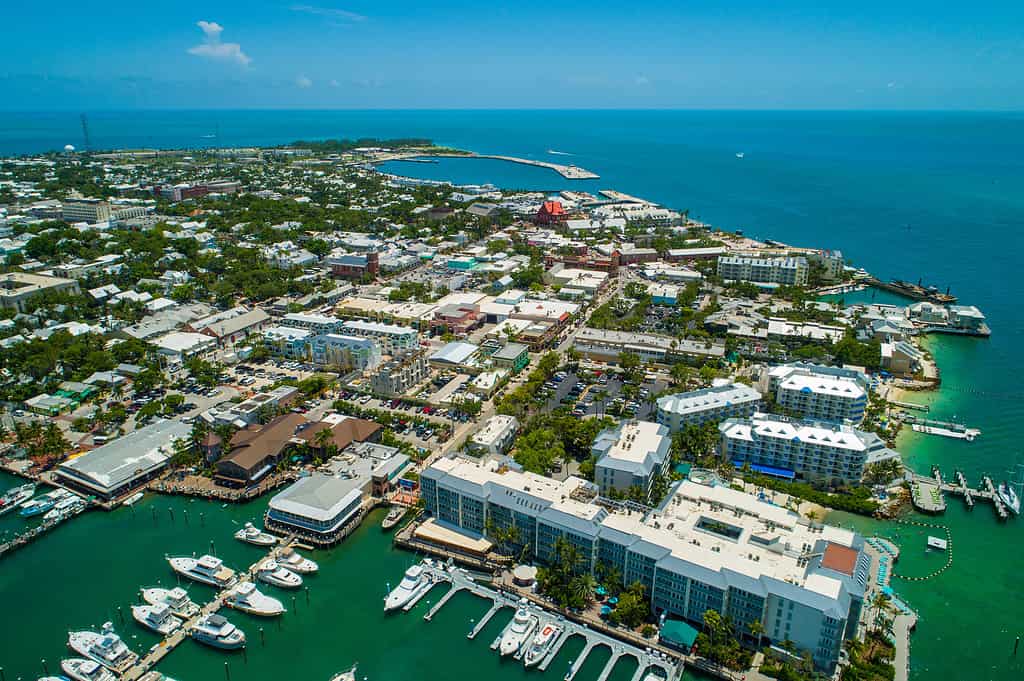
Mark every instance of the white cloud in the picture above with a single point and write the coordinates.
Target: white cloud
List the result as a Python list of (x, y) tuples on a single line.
[(213, 48), (303, 82), (330, 12)]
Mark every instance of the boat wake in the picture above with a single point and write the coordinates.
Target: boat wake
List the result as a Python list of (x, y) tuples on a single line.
[(559, 153)]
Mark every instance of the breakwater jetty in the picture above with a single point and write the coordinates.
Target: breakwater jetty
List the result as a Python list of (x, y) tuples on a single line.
[(569, 172)]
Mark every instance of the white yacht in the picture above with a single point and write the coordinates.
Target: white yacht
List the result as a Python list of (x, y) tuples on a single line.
[(518, 631), (246, 597), (176, 599), (105, 647), (541, 644), (205, 570), (413, 582), (133, 499), (15, 497), (85, 670), (272, 573), (251, 534), (214, 630), (1009, 497), (65, 507), (349, 675), (291, 559), (157, 618)]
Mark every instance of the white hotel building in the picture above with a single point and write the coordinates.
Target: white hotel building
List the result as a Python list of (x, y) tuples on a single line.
[(788, 448), (706, 547), (820, 392), (714, 404), (392, 339)]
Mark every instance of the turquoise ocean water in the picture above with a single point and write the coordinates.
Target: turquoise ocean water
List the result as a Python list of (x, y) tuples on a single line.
[(924, 195)]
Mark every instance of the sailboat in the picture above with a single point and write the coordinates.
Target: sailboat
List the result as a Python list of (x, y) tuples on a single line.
[(740, 154)]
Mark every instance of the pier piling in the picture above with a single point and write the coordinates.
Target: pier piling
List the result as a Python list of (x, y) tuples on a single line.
[(170, 512), (227, 671), (1015, 646), (46, 671), (307, 595), (263, 638)]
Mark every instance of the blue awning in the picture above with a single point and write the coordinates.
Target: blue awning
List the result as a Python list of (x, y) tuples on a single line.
[(768, 470)]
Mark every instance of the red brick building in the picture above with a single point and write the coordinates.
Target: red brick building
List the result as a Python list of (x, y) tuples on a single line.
[(551, 213)]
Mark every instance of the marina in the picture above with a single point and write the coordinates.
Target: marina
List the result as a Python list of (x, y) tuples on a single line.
[(928, 493), (531, 617)]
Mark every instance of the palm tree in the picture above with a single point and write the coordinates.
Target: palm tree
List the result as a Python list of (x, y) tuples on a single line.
[(757, 631), (880, 604), (323, 436)]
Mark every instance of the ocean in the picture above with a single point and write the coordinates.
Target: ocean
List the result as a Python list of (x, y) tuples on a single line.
[(936, 197)]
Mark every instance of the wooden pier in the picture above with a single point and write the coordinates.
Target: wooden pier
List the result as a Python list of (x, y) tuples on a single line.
[(159, 651)]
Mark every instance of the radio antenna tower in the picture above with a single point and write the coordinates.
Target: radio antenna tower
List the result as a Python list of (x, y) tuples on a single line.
[(85, 132)]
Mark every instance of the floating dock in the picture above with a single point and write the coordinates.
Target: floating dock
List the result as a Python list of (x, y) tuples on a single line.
[(647, 660), (956, 431), (928, 493)]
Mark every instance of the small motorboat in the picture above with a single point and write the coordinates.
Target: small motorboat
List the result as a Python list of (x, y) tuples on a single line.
[(394, 517), (251, 534), (349, 675)]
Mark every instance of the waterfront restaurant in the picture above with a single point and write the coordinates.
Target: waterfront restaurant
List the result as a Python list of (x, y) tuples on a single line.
[(321, 509)]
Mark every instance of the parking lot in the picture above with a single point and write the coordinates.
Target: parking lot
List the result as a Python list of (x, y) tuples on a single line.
[(603, 393)]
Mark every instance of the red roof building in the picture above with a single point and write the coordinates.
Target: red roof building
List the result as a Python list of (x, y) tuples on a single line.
[(550, 213)]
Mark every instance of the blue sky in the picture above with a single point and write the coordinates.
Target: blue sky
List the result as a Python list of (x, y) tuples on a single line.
[(747, 54)]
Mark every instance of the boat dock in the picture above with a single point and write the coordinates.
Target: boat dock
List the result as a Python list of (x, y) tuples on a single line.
[(956, 431), (647, 660), (910, 405), (27, 537), (162, 649), (928, 493)]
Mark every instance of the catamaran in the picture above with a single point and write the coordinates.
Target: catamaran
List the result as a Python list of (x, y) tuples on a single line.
[(518, 631), (176, 599), (251, 534), (246, 597), (158, 618), (541, 644), (105, 647), (205, 570)]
